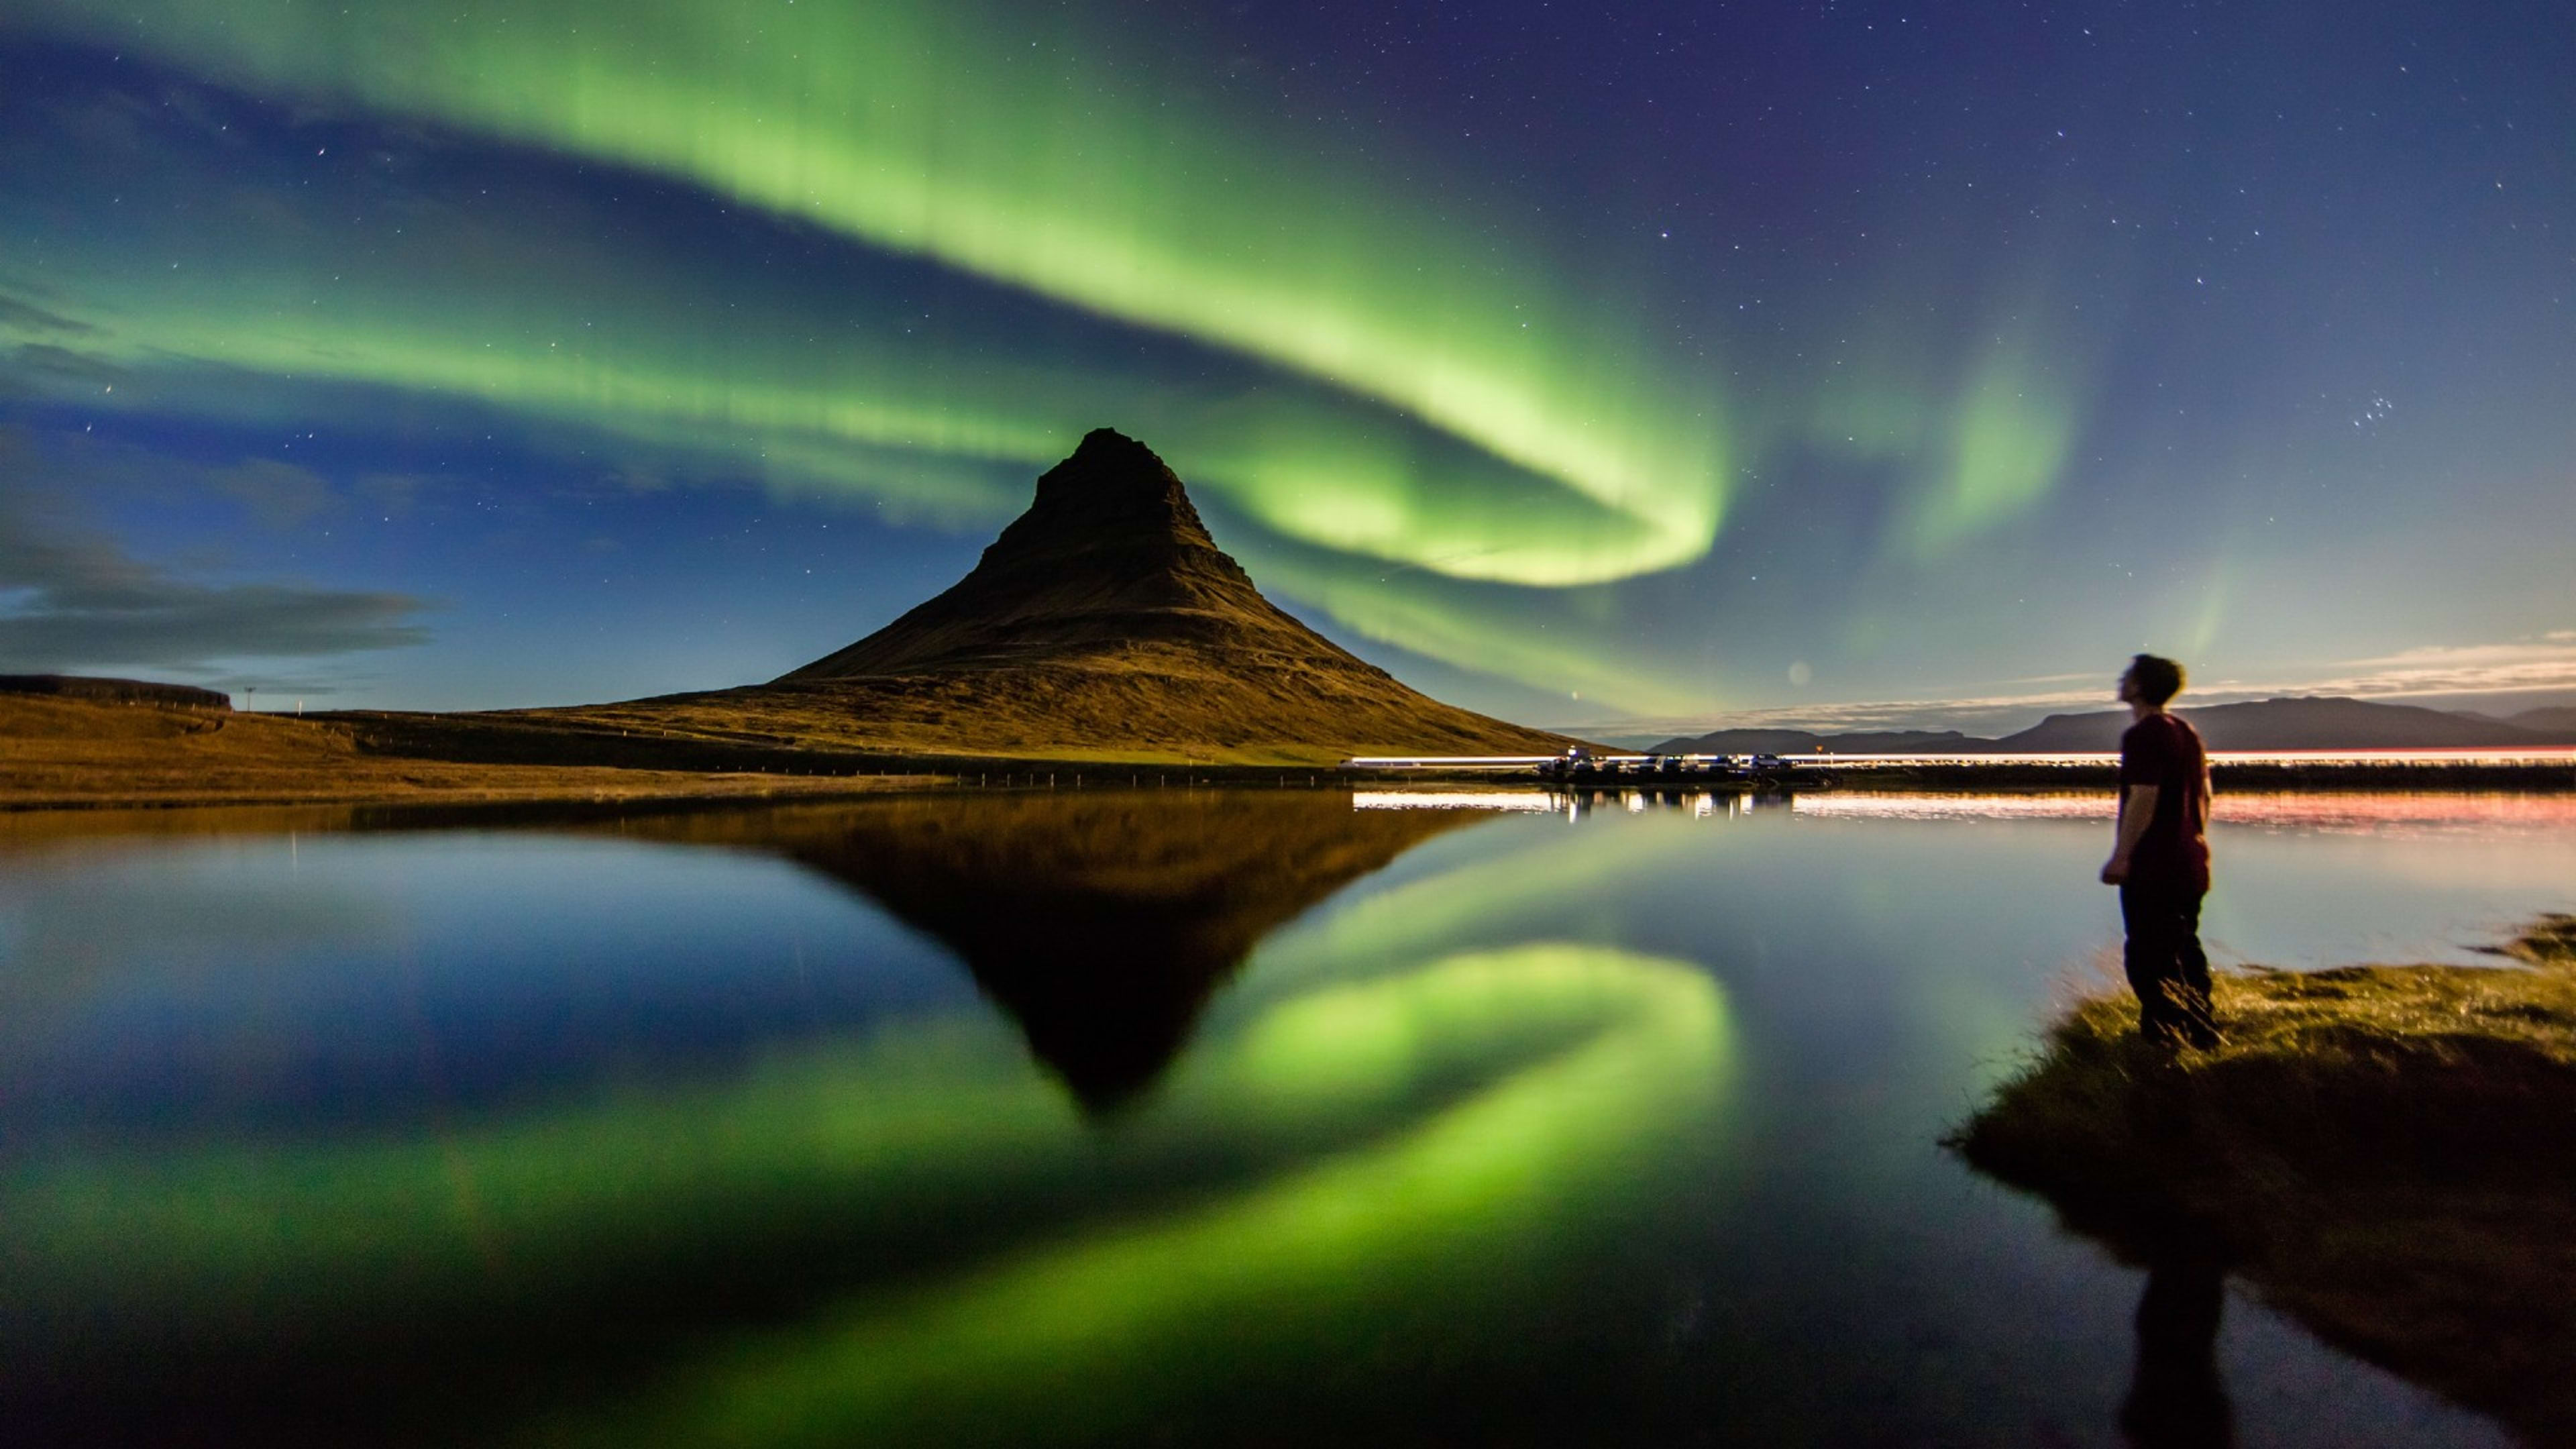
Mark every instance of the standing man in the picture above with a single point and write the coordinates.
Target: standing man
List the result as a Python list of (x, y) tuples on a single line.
[(2160, 861)]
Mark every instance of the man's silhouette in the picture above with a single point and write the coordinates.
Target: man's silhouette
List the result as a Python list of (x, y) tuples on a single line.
[(2160, 861)]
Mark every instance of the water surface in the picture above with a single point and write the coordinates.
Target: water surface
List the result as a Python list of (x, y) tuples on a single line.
[(1193, 1117)]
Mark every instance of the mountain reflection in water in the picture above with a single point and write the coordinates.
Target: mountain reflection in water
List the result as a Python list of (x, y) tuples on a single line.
[(1100, 921), (1409, 1127), (883, 1227)]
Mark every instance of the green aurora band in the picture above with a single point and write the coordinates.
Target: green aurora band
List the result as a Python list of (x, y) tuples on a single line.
[(588, 340), (1432, 430), (904, 126)]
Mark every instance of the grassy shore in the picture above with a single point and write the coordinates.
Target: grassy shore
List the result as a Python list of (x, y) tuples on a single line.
[(2386, 1153), (69, 753), (62, 752)]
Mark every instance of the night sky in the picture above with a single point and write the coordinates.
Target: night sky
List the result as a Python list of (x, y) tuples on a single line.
[(1834, 364)]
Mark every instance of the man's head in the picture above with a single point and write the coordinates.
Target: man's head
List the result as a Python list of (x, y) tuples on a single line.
[(2151, 680)]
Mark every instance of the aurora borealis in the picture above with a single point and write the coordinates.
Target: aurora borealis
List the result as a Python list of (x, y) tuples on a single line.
[(1677, 363)]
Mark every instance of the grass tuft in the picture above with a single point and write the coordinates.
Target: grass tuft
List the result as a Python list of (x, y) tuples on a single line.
[(2387, 1153)]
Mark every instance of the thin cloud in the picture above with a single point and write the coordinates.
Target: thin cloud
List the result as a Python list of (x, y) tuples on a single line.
[(22, 316), (2521, 667), (88, 606), (72, 603), (2548, 662), (30, 365)]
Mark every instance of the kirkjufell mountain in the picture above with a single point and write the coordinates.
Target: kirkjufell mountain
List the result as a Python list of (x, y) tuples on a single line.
[(1103, 624), (1110, 561)]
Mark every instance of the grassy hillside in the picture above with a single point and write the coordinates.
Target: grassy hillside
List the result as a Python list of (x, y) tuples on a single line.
[(1148, 702), (76, 752)]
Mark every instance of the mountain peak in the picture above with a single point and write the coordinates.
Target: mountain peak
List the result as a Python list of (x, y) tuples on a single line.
[(1112, 484), (1108, 466)]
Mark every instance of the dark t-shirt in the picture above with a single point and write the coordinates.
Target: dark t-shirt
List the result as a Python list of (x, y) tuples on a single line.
[(2165, 752)]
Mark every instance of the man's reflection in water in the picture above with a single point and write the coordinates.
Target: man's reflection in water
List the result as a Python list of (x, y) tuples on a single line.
[(2175, 1399)]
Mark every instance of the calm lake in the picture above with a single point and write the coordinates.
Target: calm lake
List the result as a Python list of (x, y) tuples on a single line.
[(1189, 1117)]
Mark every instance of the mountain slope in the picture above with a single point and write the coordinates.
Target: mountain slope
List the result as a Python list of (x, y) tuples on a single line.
[(1103, 624), (1110, 557)]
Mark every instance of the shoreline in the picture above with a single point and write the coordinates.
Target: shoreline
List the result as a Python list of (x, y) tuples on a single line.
[(2386, 1154), (399, 781), (68, 754)]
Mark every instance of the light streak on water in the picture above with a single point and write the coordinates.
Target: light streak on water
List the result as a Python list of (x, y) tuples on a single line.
[(1522, 800), (2375, 813)]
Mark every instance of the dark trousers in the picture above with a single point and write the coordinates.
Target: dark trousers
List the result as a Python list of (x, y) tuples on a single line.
[(2166, 966)]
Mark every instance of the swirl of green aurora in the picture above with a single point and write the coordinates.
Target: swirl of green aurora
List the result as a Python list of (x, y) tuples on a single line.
[(917, 129), (1589, 1066)]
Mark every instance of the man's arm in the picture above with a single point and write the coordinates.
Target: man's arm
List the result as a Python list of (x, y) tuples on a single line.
[(2137, 811)]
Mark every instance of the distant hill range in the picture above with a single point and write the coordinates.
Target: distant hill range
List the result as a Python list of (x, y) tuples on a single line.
[(2556, 719), (115, 691), (1103, 624), (2273, 724)]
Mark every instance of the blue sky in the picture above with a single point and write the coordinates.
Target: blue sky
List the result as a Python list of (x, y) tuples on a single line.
[(1822, 364)]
